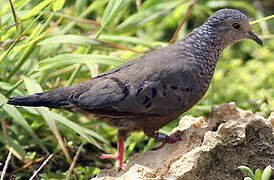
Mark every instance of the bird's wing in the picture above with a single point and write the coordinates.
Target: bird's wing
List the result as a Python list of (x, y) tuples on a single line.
[(170, 92), (102, 94)]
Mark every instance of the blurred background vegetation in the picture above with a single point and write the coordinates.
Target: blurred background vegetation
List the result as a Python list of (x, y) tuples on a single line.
[(47, 44)]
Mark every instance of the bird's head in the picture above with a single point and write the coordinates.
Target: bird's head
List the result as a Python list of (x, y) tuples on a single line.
[(231, 26)]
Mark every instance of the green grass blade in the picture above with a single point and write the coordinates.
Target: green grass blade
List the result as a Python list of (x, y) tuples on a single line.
[(93, 6), (26, 52), (20, 120), (87, 134), (7, 86), (246, 170), (237, 4), (37, 9), (37, 18), (64, 60), (70, 39), (131, 142), (13, 146), (248, 178), (142, 17), (80, 40), (111, 11), (74, 74), (17, 4), (129, 39), (267, 173), (262, 19), (58, 4), (258, 174)]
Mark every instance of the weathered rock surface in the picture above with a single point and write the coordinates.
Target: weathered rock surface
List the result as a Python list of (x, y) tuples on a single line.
[(208, 150)]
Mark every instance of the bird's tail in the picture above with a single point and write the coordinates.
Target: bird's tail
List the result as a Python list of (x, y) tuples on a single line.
[(52, 99)]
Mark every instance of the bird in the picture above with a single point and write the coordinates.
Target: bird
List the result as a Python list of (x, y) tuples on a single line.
[(154, 89)]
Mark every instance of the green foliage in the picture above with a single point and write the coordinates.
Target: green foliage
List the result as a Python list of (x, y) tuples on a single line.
[(48, 44), (259, 175)]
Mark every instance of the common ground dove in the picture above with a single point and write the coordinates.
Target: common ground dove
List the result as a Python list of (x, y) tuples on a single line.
[(150, 91)]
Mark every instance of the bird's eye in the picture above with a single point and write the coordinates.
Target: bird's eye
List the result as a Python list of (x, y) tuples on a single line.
[(236, 26)]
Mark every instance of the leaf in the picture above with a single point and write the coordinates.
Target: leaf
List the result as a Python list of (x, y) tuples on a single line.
[(131, 142), (258, 174), (133, 40), (95, 5), (143, 16), (87, 134), (238, 4), (7, 86), (248, 178), (32, 85), (36, 10), (13, 146), (64, 60), (58, 4), (267, 173), (72, 39), (20, 120), (111, 11), (81, 40), (246, 170)]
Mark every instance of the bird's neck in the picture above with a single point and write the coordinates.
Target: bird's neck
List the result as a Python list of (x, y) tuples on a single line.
[(206, 44), (210, 39)]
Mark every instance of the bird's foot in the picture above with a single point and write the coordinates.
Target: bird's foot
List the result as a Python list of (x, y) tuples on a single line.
[(119, 157), (165, 139), (118, 160)]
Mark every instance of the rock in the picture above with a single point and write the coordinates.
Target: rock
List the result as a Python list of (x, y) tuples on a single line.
[(208, 150)]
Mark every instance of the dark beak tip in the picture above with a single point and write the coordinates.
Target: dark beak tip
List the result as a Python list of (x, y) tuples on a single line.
[(254, 37), (259, 41)]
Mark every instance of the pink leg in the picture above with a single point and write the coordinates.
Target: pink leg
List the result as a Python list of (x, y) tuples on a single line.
[(165, 139), (119, 157)]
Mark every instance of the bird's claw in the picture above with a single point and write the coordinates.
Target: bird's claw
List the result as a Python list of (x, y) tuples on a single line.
[(165, 139), (118, 160)]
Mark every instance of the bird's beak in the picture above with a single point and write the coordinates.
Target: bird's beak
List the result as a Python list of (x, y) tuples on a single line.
[(253, 36)]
